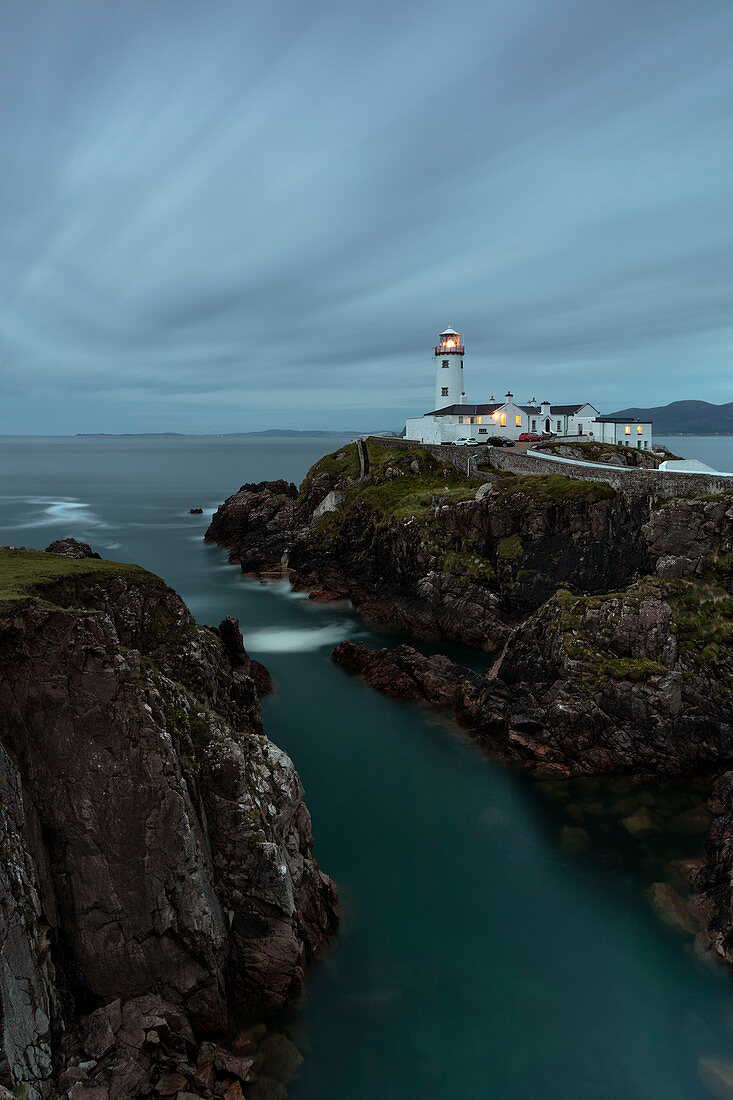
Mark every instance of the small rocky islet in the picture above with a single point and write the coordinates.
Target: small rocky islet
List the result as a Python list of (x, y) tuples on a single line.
[(157, 881), (607, 616)]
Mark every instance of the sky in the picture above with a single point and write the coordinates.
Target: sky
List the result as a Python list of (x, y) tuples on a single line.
[(219, 217)]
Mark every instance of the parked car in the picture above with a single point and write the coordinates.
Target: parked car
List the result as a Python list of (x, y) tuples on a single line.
[(530, 437), (463, 442), (499, 441)]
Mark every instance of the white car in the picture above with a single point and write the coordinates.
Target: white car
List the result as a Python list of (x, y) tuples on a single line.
[(463, 442)]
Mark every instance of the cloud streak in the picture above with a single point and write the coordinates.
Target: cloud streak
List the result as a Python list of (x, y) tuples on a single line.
[(215, 218)]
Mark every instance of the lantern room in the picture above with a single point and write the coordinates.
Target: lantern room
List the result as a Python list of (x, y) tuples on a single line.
[(450, 343)]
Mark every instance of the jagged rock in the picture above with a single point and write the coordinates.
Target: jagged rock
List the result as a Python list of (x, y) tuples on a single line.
[(99, 1038), (405, 673), (140, 742), (71, 548), (256, 524), (195, 511), (28, 999)]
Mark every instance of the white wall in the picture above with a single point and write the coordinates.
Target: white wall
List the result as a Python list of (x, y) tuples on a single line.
[(448, 378), (617, 433)]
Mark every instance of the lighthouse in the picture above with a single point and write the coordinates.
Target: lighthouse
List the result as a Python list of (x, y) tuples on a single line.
[(449, 369)]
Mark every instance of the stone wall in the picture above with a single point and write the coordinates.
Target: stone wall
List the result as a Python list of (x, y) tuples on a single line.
[(630, 481)]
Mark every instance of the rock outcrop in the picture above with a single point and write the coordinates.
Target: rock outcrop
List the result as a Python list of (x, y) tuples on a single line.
[(256, 524), (611, 617), (155, 843)]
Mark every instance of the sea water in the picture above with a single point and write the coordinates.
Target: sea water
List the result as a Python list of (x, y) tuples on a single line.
[(497, 939)]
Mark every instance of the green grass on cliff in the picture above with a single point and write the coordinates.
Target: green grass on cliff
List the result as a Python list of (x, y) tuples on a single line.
[(28, 573), (555, 487), (341, 463)]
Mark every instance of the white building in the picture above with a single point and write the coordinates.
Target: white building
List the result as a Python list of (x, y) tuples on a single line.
[(452, 418)]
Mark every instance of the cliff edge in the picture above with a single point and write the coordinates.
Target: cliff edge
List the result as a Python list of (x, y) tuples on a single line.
[(157, 862)]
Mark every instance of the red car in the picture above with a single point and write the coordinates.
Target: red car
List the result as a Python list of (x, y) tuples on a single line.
[(530, 437)]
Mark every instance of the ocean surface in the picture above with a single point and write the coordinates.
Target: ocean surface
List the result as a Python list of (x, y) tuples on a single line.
[(497, 938)]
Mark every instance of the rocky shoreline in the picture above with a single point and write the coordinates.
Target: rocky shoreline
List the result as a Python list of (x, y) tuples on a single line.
[(157, 879), (609, 617)]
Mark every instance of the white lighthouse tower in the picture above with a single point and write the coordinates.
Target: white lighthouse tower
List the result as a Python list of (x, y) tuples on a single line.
[(449, 353)]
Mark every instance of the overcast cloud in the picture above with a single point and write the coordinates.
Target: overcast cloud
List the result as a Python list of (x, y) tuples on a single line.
[(222, 216)]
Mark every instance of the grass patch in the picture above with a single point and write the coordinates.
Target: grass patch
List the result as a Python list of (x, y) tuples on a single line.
[(630, 668), (341, 463), (555, 487), (510, 548), (413, 495), (703, 617), (28, 573), (462, 563)]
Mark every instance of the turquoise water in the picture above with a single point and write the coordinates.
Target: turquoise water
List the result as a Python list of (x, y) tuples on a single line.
[(481, 954)]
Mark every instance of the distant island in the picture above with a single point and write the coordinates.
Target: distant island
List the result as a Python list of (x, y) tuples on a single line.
[(685, 418)]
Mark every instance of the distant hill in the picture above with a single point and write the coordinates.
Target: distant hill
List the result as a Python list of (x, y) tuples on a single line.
[(686, 418)]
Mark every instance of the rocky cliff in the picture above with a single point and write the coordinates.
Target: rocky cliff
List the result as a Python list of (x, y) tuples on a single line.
[(610, 617), (154, 843)]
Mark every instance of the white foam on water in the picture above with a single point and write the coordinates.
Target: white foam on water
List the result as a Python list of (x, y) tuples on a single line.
[(72, 513), (275, 639)]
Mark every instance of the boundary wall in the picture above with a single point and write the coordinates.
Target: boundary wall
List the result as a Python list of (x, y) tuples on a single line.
[(628, 480)]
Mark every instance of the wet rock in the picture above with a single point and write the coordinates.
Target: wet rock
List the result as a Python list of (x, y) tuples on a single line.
[(278, 1058), (693, 822), (640, 823), (195, 511), (256, 524), (672, 909), (574, 840)]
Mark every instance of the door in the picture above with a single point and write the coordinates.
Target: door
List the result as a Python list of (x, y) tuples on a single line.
[(547, 424)]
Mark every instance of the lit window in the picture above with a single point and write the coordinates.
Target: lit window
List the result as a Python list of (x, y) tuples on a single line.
[(640, 430), (518, 420), (444, 391), (445, 362), (502, 420), (478, 419), (627, 429)]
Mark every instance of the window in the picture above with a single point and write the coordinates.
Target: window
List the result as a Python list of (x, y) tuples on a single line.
[(478, 419), (502, 420), (559, 425), (640, 430), (646, 444), (534, 425), (445, 362), (518, 420), (461, 364), (482, 431), (627, 429), (444, 391)]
